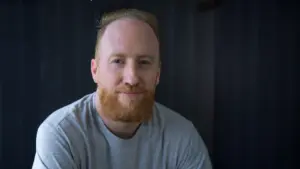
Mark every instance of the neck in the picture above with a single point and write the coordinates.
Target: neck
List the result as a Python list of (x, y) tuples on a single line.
[(120, 129)]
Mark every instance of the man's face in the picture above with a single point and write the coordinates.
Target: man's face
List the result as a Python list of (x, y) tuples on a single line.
[(127, 70)]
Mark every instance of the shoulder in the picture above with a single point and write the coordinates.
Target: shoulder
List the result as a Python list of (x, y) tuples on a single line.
[(187, 145), (62, 129), (71, 112), (68, 122), (176, 128), (171, 120), (59, 138)]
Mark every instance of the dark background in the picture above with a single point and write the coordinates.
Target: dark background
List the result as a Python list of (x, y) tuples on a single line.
[(232, 70)]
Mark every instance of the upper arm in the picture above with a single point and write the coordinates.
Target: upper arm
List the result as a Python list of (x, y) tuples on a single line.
[(194, 154), (52, 150)]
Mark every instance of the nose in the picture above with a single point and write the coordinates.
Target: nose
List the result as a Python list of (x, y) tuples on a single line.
[(130, 76)]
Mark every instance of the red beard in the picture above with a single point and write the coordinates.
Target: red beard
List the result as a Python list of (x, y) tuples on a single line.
[(134, 111)]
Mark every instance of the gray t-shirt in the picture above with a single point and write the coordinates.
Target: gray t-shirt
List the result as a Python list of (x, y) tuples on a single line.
[(75, 137)]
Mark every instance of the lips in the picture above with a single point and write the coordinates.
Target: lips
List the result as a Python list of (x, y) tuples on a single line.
[(133, 92)]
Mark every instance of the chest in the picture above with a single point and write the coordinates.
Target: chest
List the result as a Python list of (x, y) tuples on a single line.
[(152, 153)]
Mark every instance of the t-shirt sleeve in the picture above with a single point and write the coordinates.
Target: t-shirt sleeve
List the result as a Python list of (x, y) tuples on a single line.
[(194, 154), (52, 149)]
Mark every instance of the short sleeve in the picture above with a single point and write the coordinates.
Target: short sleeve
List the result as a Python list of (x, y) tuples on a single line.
[(194, 154), (52, 149)]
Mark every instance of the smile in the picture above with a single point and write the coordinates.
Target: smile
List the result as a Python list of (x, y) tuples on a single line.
[(132, 93)]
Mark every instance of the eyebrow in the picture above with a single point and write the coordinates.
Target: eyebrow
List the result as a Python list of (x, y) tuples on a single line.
[(117, 55), (152, 58)]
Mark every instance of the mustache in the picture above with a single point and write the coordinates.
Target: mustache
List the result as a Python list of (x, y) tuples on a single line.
[(133, 89)]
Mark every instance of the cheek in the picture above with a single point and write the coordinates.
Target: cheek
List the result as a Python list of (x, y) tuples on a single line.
[(109, 79), (112, 80), (150, 81)]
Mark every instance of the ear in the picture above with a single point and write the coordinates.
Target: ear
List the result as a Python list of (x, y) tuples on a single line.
[(158, 76), (157, 79), (94, 68)]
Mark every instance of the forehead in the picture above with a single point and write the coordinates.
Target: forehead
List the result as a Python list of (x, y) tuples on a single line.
[(130, 37)]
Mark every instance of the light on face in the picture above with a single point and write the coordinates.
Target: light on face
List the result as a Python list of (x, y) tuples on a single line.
[(140, 63)]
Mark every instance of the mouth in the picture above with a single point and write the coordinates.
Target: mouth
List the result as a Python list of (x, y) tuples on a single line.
[(132, 93)]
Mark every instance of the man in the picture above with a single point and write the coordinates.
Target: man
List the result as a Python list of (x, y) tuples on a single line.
[(120, 126)]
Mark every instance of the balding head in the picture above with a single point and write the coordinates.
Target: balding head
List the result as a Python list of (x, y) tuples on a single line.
[(129, 37), (107, 19)]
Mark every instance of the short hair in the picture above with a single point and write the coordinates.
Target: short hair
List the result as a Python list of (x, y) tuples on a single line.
[(108, 18)]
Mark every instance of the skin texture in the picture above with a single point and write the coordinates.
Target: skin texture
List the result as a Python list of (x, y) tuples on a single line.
[(126, 70)]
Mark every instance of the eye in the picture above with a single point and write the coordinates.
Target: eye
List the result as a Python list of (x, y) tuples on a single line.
[(144, 62), (118, 61)]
